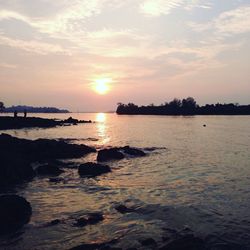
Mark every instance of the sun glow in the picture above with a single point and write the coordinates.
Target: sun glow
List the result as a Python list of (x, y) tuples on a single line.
[(101, 86)]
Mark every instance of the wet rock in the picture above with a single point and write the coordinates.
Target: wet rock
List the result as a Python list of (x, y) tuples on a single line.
[(95, 246), (133, 151), (227, 246), (52, 149), (73, 121), (56, 180), (91, 169), (187, 242), (26, 122), (148, 242), (16, 156), (42, 149), (109, 154), (48, 170), (15, 212), (14, 169), (123, 209), (53, 222), (90, 219)]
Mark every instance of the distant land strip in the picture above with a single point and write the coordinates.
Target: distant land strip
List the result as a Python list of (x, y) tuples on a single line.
[(186, 106), (31, 109)]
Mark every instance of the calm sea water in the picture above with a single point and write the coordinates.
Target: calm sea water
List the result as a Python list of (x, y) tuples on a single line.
[(197, 179)]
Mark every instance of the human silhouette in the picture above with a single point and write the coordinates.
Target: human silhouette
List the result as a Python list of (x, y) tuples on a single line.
[(25, 113)]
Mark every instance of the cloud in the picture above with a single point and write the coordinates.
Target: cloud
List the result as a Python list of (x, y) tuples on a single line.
[(159, 7), (33, 46), (234, 22), (7, 65), (164, 7), (228, 23)]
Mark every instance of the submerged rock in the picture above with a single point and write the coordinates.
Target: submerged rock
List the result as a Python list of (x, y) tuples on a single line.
[(15, 212), (90, 219), (133, 151), (48, 170), (109, 154), (117, 153), (123, 209), (53, 223), (91, 169), (187, 242)]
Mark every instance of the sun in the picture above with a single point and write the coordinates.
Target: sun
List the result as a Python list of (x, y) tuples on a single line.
[(102, 85)]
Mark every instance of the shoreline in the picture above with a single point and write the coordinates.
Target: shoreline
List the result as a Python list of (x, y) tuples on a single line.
[(8, 122)]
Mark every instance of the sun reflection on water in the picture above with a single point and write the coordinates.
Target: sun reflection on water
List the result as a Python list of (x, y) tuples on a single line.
[(102, 128)]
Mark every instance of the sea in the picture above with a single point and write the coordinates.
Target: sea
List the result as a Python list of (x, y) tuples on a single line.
[(195, 179)]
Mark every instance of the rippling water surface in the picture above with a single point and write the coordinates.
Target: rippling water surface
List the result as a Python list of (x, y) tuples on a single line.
[(196, 178)]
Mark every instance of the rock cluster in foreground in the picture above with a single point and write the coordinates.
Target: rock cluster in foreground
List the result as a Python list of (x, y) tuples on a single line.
[(15, 212), (16, 156)]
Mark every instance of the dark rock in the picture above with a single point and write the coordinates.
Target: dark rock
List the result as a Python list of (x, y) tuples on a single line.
[(89, 219), (53, 222), (148, 242), (133, 151), (42, 149), (52, 149), (15, 212), (48, 170), (97, 246), (227, 246), (16, 156), (91, 169), (187, 242), (94, 246), (123, 209), (14, 169), (109, 154), (56, 179), (26, 122)]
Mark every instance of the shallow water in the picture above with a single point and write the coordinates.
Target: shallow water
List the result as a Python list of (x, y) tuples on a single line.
[(195, 179)]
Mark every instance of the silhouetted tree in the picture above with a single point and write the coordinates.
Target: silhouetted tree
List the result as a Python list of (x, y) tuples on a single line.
[(2, 107), (176, 103)]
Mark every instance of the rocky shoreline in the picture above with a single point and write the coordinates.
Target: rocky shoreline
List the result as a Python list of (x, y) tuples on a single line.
[(8, 122), (22, 160)]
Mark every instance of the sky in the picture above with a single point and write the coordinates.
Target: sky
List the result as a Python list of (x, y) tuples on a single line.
[(54, 53)]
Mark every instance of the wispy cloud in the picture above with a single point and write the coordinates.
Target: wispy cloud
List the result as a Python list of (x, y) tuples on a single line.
[(231, 22), (33, 46), (164, 7), (8, 65)]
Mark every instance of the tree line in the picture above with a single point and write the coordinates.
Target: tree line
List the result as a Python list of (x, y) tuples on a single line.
[(30, 109), (186, 106)]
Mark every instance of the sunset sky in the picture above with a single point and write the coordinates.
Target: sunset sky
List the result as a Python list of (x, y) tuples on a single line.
[(88, 55)]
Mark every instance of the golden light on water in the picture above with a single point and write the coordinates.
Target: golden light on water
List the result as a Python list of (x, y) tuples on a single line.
[(102, 85), (104, 138), (100, 117)]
